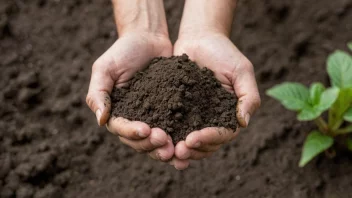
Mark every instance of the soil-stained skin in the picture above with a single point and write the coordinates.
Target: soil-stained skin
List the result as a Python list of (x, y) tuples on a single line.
[(177, 96)]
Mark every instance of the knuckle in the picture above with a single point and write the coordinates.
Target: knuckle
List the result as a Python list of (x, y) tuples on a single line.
[(161, 157), (144, 146), (97, 64), (247, 64), (257, 101), (122, 129), (100, 67), (90, 101), (157, 141)]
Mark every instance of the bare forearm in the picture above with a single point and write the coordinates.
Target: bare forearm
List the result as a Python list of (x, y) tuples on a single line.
[(140, 16), (207, 15)]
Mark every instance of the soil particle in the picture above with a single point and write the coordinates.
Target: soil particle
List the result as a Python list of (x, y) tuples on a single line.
[(49, 191), (29, 133), (29, 97), (176, 96), (6, 192), (5, 165), (29, 80), (25, 191), (38, 165)]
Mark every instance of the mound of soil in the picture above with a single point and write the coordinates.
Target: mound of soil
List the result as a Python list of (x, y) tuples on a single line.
[(51, 146), (177, 96)]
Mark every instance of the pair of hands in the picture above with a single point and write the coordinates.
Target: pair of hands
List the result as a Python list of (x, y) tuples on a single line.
[(132, 53)]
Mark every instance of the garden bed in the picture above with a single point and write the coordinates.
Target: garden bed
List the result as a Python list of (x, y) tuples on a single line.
[(51, 146)]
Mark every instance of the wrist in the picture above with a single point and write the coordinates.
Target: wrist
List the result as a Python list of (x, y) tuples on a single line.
[(200, 33), (140, 16), (211, 16)]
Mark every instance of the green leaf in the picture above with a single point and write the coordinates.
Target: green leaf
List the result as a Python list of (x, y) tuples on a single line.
[(348, 115), (349, 45), (339, 108), (339, 66), (325, 100), (315, 91), (314, 144), (349, 144), (294, 96), (309, 113), (328, 97)]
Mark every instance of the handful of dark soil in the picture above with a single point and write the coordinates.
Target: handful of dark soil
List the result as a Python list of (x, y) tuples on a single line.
[(177, 96)]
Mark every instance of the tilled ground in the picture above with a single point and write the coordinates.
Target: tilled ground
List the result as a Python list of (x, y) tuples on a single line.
[(50, 145)]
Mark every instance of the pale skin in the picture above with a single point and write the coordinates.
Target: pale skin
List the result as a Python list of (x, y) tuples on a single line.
[(204, 36)]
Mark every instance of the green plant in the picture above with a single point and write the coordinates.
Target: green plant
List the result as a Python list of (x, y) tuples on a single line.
[(310, 103)]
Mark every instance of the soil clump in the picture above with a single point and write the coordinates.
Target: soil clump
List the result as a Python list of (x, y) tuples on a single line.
[(177, 96)]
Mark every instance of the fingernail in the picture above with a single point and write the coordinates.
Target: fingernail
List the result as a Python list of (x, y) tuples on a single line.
[(158, 155), (247, 118), (98, 115), (196, 145), (141, 134)]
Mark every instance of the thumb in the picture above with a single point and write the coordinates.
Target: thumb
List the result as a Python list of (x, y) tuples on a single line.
[(98, 97), (246, 90)]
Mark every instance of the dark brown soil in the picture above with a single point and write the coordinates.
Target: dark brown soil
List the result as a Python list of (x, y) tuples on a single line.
[(50, 145), (177, 96)]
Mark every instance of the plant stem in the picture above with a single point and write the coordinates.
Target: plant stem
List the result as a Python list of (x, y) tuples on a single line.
[(345, 130), (330, 153), (330, 119), (322, 125), (337, 125)]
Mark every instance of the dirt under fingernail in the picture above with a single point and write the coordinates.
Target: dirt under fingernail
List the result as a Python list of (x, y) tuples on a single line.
[(177, 96)]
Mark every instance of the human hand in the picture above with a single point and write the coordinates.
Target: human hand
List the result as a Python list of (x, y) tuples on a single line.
[(129, 54), (235, 72), (143, 35)]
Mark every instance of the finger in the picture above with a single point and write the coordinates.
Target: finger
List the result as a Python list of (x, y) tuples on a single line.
[(133, 130), (247, 92), (157, 138), (210, 136), (179, 164), (183, 152), (98, 97), (163, 153)]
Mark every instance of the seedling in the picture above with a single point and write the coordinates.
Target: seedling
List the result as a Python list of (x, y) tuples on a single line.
[(310, 103)]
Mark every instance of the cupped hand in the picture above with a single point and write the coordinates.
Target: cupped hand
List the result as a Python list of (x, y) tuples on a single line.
[(129, 54), (235, 72)]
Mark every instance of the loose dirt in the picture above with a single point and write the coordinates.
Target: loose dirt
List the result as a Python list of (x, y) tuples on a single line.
[(177, 96)]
